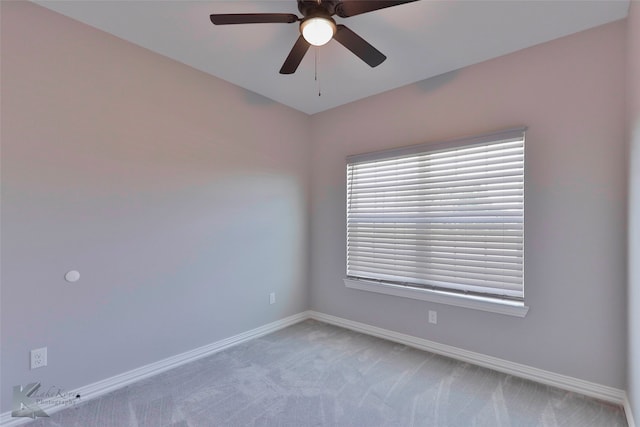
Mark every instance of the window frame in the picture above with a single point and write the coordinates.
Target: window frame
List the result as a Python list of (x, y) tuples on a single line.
[(484, 302)]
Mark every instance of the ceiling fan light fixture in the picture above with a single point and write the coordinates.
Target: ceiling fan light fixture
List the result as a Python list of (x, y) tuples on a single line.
[(318, 30)]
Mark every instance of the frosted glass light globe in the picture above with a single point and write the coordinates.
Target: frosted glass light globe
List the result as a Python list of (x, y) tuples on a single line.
[(318, 31)]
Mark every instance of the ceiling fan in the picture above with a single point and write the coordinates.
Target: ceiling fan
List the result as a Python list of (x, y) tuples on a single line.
[(317, 27)]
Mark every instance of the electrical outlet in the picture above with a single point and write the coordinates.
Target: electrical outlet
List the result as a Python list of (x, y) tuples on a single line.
[(433, 317), (272, 298), (39, 358)]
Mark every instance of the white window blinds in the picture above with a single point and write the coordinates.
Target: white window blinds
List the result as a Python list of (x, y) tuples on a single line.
[(448, 216)]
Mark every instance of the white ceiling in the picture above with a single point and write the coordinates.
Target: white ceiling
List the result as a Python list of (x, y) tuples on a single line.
[(421, 40)]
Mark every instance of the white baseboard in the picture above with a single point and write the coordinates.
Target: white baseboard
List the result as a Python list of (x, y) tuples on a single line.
[(103, 387), (564, 382), (628, 412)]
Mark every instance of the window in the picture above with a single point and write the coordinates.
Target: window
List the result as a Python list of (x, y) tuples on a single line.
[(442, 219)]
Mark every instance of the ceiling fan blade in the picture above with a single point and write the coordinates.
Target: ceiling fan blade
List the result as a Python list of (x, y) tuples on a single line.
[(348, 8), (295, 56), (253, 18), (359, 46)]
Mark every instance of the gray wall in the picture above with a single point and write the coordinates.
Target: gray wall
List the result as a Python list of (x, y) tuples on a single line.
[(571, 94), (633, 81), (180, 198)]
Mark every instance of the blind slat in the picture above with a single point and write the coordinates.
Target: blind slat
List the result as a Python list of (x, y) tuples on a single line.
[(466, 251), (424, 161)]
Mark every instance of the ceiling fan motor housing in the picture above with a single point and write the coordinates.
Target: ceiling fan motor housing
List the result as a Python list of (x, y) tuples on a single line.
[(311, 8)]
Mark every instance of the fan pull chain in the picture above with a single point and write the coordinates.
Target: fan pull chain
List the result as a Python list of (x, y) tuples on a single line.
[(317, 50)]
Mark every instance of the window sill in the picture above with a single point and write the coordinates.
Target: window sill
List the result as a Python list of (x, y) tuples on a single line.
[(509, 308)]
